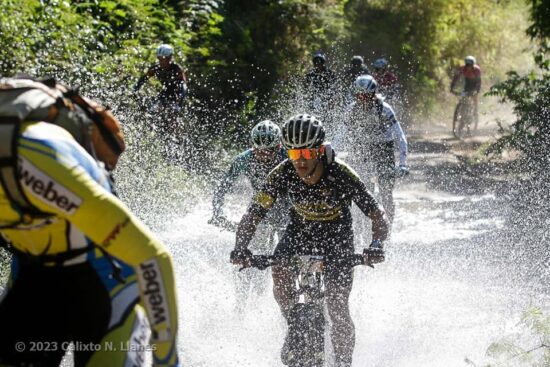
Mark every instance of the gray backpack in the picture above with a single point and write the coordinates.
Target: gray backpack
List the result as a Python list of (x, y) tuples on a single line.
[(45, 100)]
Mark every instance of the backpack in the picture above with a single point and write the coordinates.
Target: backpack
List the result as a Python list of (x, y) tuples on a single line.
[(92, 126)]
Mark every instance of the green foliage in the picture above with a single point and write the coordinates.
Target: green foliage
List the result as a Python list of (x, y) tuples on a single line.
[(529, 93), (528, 347), (237, 52), (427, 39)]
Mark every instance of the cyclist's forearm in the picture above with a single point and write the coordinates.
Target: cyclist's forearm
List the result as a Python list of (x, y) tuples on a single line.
[(399, 134), (218, 201), (246, 230), (140, 82), (380, 224)]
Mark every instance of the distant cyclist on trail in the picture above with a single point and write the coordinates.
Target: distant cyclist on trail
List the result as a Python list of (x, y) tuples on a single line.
[(376, 129), (321, 190), (357, 68), (320, 85), (388, 83), (470, 75), (170, 74)]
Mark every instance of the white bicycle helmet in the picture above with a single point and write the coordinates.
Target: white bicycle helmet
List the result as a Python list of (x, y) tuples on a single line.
[(265, 135), (380, 63), (469, 60), (303, 131), (165, 50), (365, 84)]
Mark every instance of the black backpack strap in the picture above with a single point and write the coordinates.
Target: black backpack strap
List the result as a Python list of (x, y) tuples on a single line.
[(9, 173), (9, 177)]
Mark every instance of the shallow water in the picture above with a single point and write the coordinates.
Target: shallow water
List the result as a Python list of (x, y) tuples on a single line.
[(446, 292)]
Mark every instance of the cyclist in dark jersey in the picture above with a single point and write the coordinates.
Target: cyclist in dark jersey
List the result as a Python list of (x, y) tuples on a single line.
[(170, 74), (357, 68), (320, 190), (319, 86)]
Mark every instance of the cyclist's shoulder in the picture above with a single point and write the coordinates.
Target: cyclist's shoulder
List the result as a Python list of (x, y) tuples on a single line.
[(51, 149), (387, 109), (48, 140), (242, 160), (341, 169), (245, 155), (282, 169), (176, 67)]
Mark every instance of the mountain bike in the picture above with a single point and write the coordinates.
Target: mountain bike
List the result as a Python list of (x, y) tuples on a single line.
[(464, 114), (305, 343)]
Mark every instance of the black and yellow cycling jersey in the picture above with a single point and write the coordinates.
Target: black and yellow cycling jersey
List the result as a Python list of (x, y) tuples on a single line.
[(320, 215), (81, 216)]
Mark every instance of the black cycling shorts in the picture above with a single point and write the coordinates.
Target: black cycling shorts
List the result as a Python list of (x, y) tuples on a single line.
[(46, 308)]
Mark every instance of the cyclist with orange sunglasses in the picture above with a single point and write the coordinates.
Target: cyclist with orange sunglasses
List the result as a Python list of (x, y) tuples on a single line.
[(320, 189)]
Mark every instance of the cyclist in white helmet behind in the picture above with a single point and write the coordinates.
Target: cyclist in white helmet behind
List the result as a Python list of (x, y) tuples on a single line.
[(376, 128), (388, 83), (255, 163)]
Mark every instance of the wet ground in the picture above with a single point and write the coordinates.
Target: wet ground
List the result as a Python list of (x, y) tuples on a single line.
[(456, 279), (452, 284)]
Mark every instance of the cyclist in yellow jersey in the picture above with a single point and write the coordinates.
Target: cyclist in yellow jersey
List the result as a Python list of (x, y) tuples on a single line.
[(84, 270)]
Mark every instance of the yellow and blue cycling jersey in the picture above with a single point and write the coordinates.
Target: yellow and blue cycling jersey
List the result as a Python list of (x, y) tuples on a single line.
[(73, 191)]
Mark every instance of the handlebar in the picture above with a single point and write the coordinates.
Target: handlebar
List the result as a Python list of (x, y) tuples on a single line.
[(224, 223), (263, 262)]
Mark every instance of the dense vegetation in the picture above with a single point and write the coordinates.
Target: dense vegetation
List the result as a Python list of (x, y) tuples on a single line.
[(237, 52)]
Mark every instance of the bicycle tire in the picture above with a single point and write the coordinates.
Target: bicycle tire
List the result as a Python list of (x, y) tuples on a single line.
[(459, 130), (306, 336)]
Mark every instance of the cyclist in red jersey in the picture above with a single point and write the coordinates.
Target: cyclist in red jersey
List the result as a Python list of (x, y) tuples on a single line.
[(388, 84), (470, 75)]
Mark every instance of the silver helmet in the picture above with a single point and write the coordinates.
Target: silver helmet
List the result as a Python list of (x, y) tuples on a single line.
[(265, 135), (303, 131)]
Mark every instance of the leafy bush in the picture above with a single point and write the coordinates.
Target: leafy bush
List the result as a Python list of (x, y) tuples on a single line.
[(530, 346), (530, 95)]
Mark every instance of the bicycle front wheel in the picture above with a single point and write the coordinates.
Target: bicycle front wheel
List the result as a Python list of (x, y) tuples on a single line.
[(306, 346)]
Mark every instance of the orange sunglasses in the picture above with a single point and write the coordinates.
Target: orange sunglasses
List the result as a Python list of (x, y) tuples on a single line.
[(307, 154)]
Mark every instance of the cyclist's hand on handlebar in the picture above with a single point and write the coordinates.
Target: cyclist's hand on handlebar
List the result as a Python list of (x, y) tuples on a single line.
[(401, 171), (374, 254), (241, 257), (223, 222)]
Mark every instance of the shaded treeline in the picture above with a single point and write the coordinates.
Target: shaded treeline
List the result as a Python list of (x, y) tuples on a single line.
[(237, 51)]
